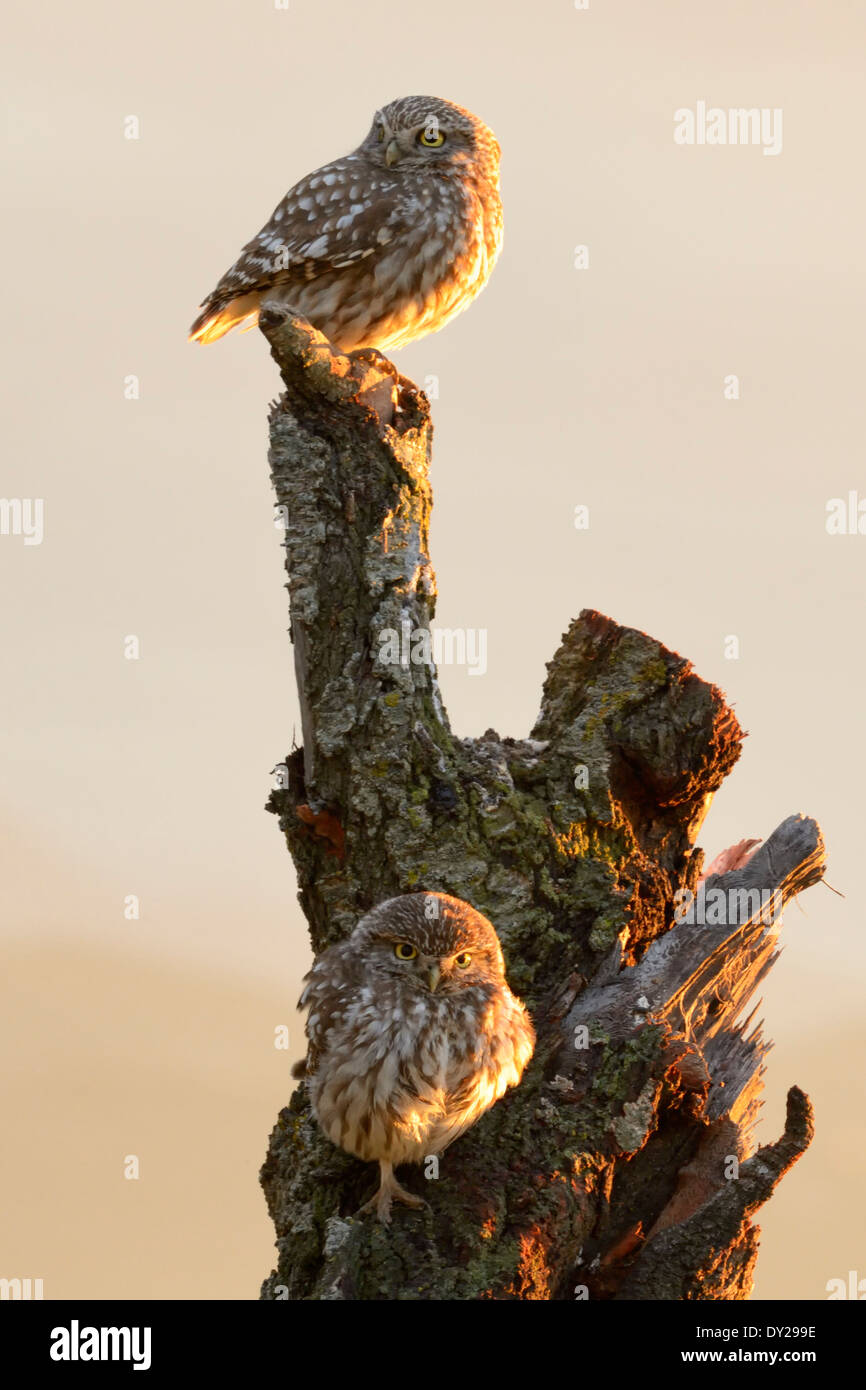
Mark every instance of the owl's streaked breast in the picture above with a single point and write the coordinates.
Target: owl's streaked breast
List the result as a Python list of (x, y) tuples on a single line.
[(412, 1079)]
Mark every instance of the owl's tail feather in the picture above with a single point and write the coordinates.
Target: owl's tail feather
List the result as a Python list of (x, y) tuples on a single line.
[(211, 323)]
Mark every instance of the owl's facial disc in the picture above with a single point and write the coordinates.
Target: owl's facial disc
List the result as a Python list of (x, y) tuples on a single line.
[(444, 973), (414, 145), (429, 972)]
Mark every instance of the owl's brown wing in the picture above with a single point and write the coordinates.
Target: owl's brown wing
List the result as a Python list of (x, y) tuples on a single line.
[(328, 222), (329, 989)]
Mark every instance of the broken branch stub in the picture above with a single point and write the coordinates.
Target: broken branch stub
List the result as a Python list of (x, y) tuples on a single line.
[(578, 843)]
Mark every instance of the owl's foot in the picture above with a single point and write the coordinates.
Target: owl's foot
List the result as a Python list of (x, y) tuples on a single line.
[(389, 1191), (373, 356), (377, 382)]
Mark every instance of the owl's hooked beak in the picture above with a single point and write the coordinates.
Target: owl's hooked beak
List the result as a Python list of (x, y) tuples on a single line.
[(392, 153), (434, 974)]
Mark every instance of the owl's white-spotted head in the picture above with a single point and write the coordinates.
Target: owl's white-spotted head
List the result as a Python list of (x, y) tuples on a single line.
[(431, 943), (426, 133)]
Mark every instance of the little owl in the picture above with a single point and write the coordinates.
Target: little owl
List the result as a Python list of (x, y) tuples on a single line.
[(382, 246), (413, 1034)]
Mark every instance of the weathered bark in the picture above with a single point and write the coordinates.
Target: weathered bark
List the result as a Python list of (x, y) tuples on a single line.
[(620, 1166)]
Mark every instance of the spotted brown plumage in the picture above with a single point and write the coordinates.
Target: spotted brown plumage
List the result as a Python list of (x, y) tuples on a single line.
[(413, 1034), (382, 246)]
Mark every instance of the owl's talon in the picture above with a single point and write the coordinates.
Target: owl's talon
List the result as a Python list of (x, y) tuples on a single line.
[(390, 1191), (371, 355)]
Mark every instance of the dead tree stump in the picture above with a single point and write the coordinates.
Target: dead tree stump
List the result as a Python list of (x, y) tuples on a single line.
[(623, 1166)]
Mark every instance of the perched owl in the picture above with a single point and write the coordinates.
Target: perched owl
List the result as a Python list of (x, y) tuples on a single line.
[(382, 246), (413, 1034)]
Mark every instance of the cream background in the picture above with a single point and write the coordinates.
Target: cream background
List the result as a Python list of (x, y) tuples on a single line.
[(559, 387)]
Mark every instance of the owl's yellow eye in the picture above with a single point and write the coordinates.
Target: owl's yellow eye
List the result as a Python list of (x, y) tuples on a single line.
[(405, 951), (432, 137), (463, 959)]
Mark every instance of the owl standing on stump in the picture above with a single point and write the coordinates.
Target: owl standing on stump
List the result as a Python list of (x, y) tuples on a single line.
[(380, 247), (413, 1034)]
